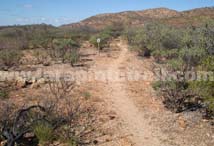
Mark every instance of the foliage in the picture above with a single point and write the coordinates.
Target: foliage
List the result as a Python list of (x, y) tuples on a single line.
[(9, 58), (63, 49), (107, 34), (86, 95), (58, 117), (74, 56), (4, 93), (43, 131), (24, 37), (41, 56), (183, 50), (40, 36)]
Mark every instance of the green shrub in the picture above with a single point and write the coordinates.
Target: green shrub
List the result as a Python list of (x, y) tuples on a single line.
[(4, 93), (41, 56), (72, 142), (86, 95), (105, 35), (183, 50), (9, 58), (44, 132), (156, 85), (74, 56), (208, 63), (205, 90), (104, 40), (63, 48)]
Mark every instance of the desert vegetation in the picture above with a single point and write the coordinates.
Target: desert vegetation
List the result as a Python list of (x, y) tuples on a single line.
[(107, 34), (54, 111), (58, 117), (45, 43), (183, 50)]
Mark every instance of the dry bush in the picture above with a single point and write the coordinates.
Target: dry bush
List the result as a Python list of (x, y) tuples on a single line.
[(60, 117), (63, 50), (83, 127), (4, 92), (9, 58), (41, 57)]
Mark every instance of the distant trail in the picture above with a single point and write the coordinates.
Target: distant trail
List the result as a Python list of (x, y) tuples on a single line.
[(133, 119)]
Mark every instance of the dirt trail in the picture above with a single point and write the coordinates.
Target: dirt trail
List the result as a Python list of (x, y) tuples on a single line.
[(130, 110), (117, 97)]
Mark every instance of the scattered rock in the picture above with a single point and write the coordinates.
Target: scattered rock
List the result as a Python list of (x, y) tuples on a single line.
[(95, 141), (41, 81), (112, 117), (182, 122), (21, 82), (2, 143), (38, 83)]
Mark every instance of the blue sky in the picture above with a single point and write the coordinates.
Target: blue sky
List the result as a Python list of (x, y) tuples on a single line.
[(57, 12)]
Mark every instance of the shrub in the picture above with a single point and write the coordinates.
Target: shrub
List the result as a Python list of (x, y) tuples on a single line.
[(74, 56), (59, 117), (5, 89), (104, 40), (177, 96), (4, 93), (9, 58), (86, 95), (208, 63), (156, 85), (205, 90), (179, 49), (105, 35), (72, 142), (44, 132), (61, 48), (157, 39), (41, 57)]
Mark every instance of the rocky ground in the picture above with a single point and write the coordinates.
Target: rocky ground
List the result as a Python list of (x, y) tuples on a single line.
[(130, 110)]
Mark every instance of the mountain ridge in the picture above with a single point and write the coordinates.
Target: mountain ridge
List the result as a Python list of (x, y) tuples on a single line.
[(138, 18)]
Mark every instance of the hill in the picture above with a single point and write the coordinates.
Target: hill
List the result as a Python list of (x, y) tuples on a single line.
[(139, 18)]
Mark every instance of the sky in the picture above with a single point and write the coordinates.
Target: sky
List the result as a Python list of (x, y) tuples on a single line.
[(58, 12)]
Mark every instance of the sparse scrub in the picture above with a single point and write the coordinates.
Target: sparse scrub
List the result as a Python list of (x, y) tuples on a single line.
[(44, 132), (6, 88), (9, 58), (63, 48), (4, 93), (180, 49), (74, 56), (59, 117), (106, 35), (86, 95), (41, 57)]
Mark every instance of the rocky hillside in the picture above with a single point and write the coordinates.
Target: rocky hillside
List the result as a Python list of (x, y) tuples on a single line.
[(191, 17), (138, 18)]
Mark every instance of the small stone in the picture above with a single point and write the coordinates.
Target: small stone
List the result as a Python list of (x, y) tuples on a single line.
[(112, 117), (208, 135), (20, 82), (95, 141), (2, 143), (41, 81), (182, 122)]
